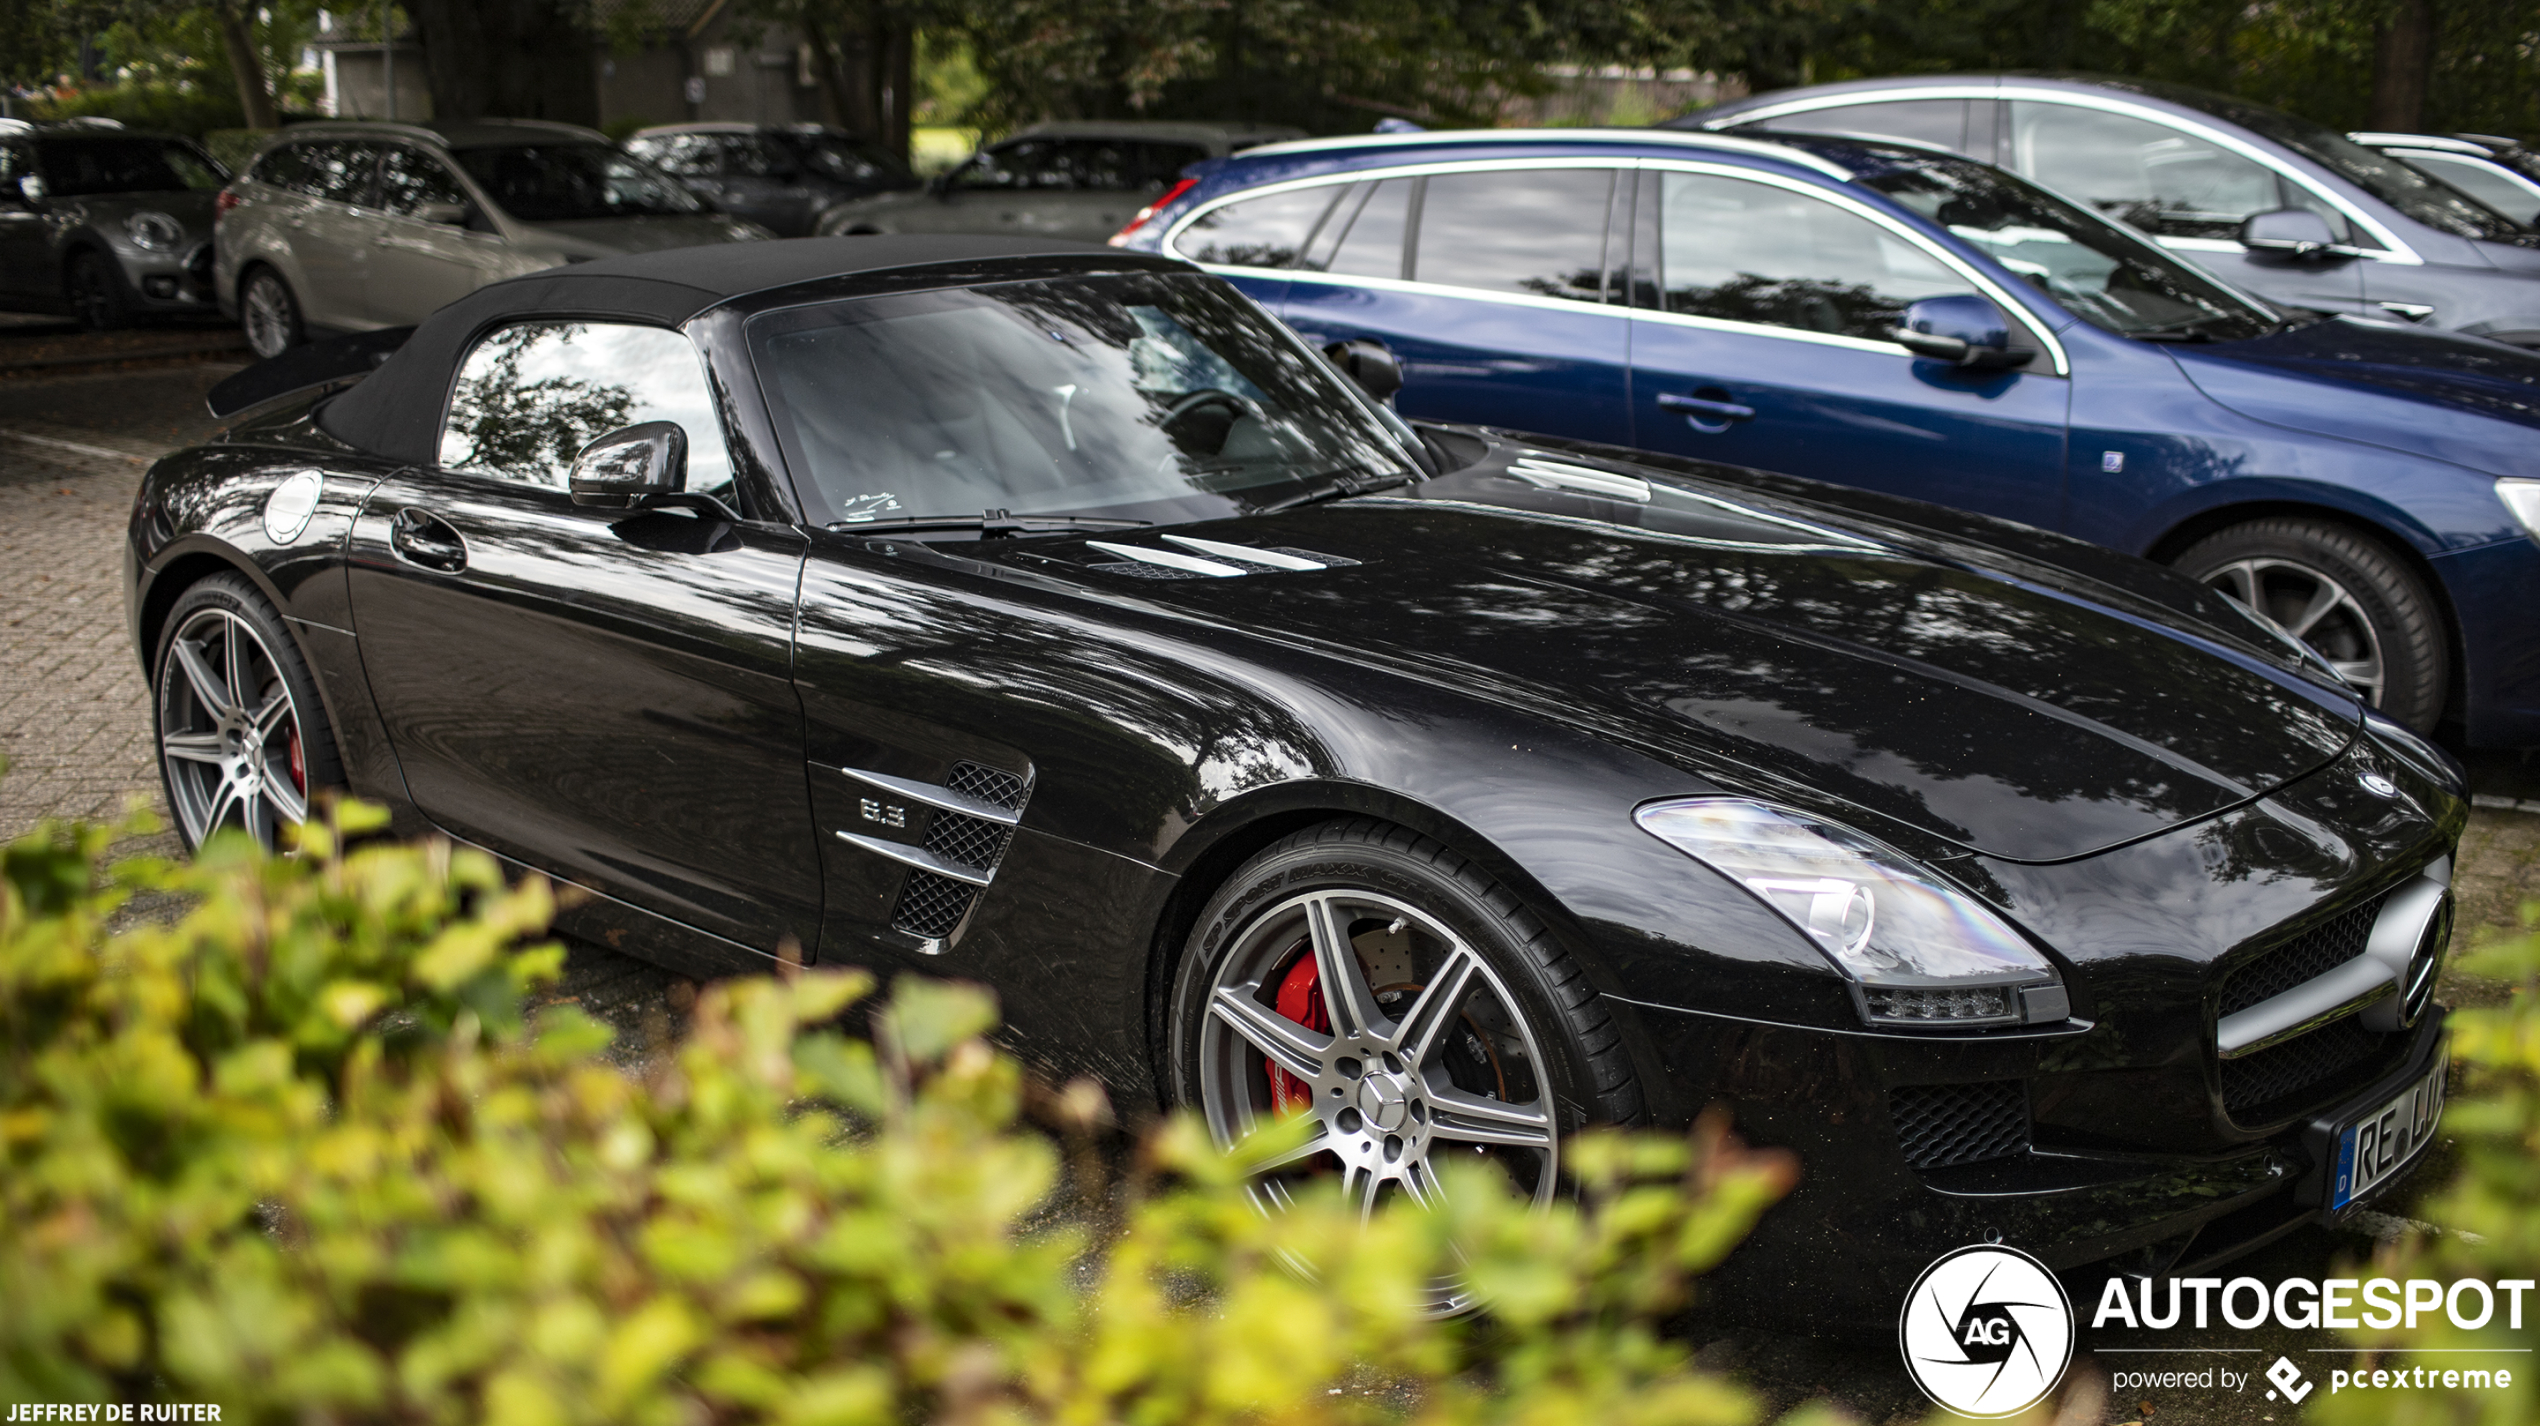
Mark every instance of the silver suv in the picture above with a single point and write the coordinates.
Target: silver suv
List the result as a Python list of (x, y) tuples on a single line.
[(356, 226), (1078, 179)]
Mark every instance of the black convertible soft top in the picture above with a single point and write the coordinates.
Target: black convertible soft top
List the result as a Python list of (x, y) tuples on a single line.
[(396, 411)]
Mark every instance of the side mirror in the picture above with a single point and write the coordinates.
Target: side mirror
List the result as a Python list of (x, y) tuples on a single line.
[(1964, 330), (1369, 363), (451, 214), (2289, 232), (628, 466), (32, 189)]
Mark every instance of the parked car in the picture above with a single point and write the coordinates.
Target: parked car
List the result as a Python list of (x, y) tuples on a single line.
[(781, 177), (2373, 486), (355, 226), (2494, 171), (103, 222), (2338, 227), (1051, 617), (1064, 180)]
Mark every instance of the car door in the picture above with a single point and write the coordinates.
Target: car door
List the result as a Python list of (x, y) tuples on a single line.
[(2189, 192), (1759, 338), (1491, 285), (605, 695), (418, 266), (331, 226)]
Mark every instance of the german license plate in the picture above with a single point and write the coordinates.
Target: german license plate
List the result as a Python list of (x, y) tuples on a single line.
[(2375, 1148)]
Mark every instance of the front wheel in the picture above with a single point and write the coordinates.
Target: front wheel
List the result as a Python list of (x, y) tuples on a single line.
[(269, 314), (243, 739), (1386, 987), (2344, 593)]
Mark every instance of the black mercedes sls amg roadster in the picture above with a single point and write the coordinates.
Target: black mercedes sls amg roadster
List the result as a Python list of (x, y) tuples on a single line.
[(1052, 617)]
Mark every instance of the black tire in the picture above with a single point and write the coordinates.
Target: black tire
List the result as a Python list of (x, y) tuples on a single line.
[(269, 313), (193, 737), (2386, 632), (1589, 1073), (95, 291)]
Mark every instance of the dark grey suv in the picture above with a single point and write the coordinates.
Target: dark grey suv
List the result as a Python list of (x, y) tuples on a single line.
[(2290, 210), (104, 222), (783, 178)]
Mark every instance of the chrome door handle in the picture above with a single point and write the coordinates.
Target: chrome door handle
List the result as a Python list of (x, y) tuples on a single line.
[(1716, 410), (420, 537)]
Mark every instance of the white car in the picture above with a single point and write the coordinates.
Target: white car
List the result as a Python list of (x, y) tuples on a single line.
[(352, 227)]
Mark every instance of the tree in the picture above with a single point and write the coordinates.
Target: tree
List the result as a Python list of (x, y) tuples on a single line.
[(513, 59)]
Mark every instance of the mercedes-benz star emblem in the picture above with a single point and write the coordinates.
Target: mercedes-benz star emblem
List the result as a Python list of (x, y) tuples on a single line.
[(1986, 1331)]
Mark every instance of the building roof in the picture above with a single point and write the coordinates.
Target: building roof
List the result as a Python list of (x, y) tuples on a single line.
[(396, 411)]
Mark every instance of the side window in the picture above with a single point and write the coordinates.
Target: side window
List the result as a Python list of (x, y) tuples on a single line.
[(2160, 180), (410, 178), (340, 171), (1268, 231), (1521, 230), (1754, 252), (1924, 121), (687, 155), (755, 156), (286, 168), (1024, 163), (1363, 237), (529, 397)]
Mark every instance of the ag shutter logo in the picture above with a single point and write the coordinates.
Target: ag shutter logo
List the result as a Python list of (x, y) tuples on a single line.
[(1986, 1331)]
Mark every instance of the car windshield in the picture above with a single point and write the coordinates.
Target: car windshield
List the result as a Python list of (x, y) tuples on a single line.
[(843, 158), (558, 183), (1146, 398), (2434, 204), (2101, 272), (73, 167)]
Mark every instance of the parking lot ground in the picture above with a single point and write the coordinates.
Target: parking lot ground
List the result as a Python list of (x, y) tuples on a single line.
[(74, 724)]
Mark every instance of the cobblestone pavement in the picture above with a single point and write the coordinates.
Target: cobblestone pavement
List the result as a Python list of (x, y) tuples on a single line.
[(74, 723)]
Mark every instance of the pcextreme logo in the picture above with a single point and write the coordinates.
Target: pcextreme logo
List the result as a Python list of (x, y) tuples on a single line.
[(1986, 1331)]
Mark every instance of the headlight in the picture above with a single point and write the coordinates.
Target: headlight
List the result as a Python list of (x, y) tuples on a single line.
[(2523, 498), (154, 230), (1917, 951)]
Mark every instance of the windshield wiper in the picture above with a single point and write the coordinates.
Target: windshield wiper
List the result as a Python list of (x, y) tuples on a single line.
[(1342, 487), (991, 524)]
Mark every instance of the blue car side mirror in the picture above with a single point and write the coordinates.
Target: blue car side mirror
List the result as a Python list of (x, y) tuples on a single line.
[(1965, 330)]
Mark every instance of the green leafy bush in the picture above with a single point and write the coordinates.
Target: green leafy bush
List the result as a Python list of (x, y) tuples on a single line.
[(300, 1153), (191, 109), (2491, 1212)]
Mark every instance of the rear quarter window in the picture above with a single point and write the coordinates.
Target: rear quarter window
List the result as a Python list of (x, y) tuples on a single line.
[(1271, 230)]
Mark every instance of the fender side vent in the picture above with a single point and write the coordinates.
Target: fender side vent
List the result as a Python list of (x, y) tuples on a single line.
[(933, 906), (1938, 1125)]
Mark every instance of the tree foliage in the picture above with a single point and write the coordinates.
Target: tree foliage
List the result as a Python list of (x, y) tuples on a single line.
[(302, 1154)]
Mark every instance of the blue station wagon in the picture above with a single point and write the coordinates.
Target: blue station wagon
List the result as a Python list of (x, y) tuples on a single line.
[(1900, 318)]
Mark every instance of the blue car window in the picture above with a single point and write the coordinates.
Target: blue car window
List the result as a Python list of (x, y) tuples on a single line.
[(1540, 231), (1269, 230), (2149, 175), (531, 395), (1370, 243), (1754, 252)]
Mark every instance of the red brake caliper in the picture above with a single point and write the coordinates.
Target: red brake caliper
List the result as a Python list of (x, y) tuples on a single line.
[(299, 764), (1301, 1000)]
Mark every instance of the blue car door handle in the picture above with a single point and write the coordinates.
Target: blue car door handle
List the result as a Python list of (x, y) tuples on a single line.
[(1695, 406)]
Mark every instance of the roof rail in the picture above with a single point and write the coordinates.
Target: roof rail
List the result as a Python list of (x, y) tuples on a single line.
[(1662, 138)]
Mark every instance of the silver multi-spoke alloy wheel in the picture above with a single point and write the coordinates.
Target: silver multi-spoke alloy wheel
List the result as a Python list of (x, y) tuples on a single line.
[(1390, 1031), (2313, 607), (230, 736), (269, 315)]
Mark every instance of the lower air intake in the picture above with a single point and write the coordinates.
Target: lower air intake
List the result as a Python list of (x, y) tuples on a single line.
[(1938, 1125)]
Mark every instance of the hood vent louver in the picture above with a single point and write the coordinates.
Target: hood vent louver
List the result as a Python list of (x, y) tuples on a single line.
[(1207, 559), (1579, 479)]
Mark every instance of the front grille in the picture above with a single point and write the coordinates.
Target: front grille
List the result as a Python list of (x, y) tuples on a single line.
[(1003, 789), (971, 841), (1938, 1125), (931, 905), (2304, 1070), (2306, 957)]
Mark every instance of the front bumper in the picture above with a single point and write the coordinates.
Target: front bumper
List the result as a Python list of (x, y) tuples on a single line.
[(1864, 1222)]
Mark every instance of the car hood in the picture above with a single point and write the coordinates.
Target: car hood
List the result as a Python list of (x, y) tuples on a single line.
[(1785, 656), (607, 237), (2379, 383)]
